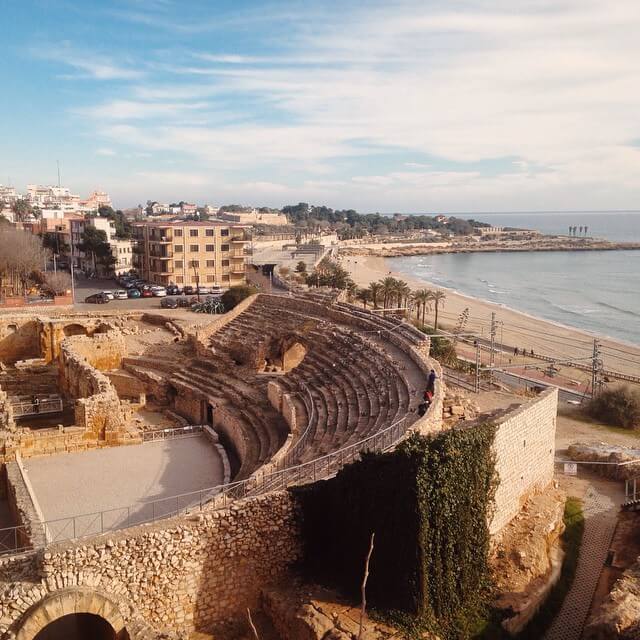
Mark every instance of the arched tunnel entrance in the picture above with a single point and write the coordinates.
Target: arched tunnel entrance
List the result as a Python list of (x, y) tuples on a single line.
[(78, 626)]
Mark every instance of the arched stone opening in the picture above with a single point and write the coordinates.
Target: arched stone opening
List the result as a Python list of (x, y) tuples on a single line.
[(87, 613), (74, 330), (12, 328), (78, 626)]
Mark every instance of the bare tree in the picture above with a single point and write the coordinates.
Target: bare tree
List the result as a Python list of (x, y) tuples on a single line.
[(58, 283), (363, 586), (21, 254)]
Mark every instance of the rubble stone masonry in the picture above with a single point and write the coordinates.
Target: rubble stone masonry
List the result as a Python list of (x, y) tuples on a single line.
[(185, 574)]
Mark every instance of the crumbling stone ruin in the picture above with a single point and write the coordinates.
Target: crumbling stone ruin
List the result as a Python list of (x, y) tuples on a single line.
[(291, 389)]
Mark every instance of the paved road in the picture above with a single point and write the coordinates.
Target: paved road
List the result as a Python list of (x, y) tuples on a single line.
[(600, 512)]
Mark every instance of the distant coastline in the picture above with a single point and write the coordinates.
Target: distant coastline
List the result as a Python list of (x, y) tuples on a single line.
[(543, 243)]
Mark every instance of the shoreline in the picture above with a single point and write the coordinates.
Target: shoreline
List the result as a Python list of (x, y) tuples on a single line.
[(402, 250), (520, 328)]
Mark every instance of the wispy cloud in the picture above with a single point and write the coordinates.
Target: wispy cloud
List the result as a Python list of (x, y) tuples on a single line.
[(553, 86)]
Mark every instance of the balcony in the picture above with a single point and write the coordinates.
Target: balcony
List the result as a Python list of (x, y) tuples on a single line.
[(237, 268), (241, 238), (162, 255)]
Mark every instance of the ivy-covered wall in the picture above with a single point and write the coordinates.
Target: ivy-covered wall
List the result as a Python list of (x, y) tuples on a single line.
[(429, 503)]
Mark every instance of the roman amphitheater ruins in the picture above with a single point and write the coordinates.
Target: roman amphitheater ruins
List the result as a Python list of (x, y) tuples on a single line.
[(147, 458)]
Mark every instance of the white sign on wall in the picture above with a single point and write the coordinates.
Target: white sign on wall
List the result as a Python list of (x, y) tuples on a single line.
[(570, 469)]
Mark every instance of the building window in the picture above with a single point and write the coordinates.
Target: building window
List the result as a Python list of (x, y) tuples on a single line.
[(179, 279), (210, 247), (225, 278), (194, 248), (225, 263), (177, 248), (177, 233), (225, 247), (195, 264), (193, 233), (224, 232), (210, 233), (211, 278), (178, 264), (211, 264)]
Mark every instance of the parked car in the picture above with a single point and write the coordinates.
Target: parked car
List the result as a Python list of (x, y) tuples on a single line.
[(216, 290), (189, 290), (146, 293), (159, 292), (97, 298), (203, 289), (133, 293), (120, 294), (184, 302), (108, 294), (174, 290), (169, 303)]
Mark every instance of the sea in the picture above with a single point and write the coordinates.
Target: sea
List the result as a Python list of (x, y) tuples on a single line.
[(598, 291)]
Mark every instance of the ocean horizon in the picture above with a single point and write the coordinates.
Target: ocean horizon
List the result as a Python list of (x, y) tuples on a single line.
[(597, 291)]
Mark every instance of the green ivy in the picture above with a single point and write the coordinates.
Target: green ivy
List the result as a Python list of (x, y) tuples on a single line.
[(429, 503)]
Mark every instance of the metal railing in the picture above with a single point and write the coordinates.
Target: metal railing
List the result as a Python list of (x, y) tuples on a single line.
[(99, 522), (173, 432), (34, 408)]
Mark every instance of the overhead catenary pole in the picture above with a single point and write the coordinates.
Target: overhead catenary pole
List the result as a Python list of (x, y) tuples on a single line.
[(477, 379), (492, 358)]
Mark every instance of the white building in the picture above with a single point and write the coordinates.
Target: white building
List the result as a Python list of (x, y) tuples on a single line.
[(122, 250), (8, 195)]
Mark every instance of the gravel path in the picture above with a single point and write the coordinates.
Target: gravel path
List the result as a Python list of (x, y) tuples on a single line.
[(115, 478), (600, 512)]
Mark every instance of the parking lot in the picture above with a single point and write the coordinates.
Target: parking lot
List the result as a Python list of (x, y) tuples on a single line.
[(85, 287)]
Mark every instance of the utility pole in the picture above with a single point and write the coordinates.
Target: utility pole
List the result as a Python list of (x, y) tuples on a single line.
[(596, 369), (73, 285), (477, 381), (492, 357), (58, 163)]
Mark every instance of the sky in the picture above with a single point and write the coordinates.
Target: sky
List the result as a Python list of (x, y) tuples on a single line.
[(424, 106)]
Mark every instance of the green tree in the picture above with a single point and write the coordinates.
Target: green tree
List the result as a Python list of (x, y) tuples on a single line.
[(375, 288), (22, 210), (233, 296), (94, 241), (438, 297), (389, 285), (422, 298), (122, 225), (301, 267), (364, 295)]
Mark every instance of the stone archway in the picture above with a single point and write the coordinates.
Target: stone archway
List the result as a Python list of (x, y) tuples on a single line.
[(68, 602), (74, 329)]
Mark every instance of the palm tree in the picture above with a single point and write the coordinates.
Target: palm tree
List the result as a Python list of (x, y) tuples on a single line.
[(375, 288), (422, 298), (364, 295), (402, 292), (388, 290), (438, 298)]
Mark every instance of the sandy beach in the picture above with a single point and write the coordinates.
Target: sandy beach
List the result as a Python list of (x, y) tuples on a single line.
[(515, 328)]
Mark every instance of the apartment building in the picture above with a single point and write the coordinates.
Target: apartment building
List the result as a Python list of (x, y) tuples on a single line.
[(189, 252)]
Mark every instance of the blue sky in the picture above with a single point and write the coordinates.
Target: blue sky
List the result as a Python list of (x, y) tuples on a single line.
[(381, 106)]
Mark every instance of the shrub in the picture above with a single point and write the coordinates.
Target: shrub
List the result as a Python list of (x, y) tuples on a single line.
[(233, 296), (57, 282), (619, 407)]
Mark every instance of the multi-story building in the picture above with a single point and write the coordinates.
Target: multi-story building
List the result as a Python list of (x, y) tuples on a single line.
[(8, 195), (121, 249), (96, 200), (189, 252)]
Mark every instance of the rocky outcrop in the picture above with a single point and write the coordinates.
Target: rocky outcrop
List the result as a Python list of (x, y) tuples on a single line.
[(619, 615), (526, 558), (617, 455)]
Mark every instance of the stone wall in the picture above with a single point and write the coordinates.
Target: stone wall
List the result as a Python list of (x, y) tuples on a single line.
[(98, 408), (524, 448), (19, 338), (185, 574)]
